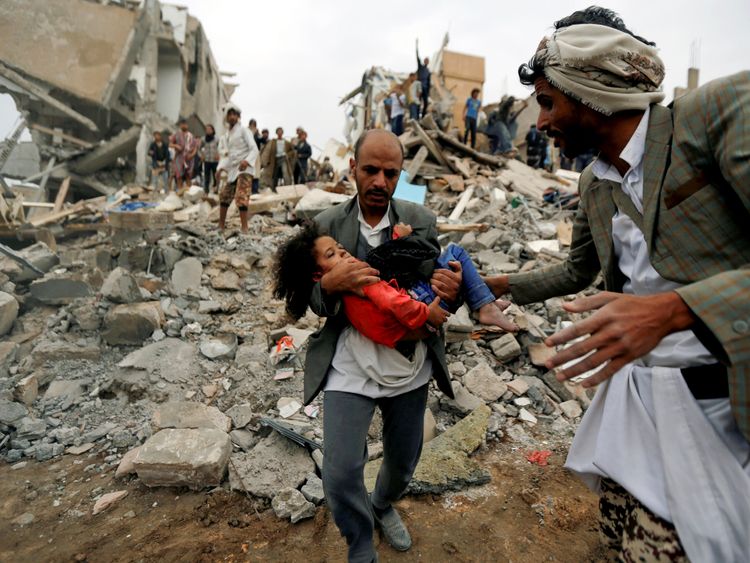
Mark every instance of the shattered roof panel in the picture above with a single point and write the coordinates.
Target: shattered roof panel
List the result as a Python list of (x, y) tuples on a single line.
[(41, 37)]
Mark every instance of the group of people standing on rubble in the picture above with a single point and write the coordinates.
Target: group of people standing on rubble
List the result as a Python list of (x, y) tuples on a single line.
[(179, 159)]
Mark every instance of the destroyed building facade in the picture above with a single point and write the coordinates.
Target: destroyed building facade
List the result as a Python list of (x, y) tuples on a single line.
[(93, 80)]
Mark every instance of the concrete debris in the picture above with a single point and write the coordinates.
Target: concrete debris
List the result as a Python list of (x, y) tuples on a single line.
[(185, 414), (482, 382), (132, 323), (8, 312), (59, 289), (506, 347), (121, 287), (219, 347), (290, 503), (313, 489), (188, 457), (445, 464), (186, 275), (272, 465), (11, 412), (107, 500), (571, 409)]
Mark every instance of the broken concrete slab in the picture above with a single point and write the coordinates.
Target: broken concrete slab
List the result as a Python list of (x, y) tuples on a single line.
[(430, 426), (38, 254), (171, 359), (313, 489), (189, 457), (464, 401), (29, 428), (8, 312), (57, 350), (70, 388), (241, 415), (539, 353), (186, 275), (121, 287), (274, 464), (290, 503), (445, 464), (219, 347), (132, 323), (59, 289), (11, 412), (482, 381), (460, 321), (186, 414)]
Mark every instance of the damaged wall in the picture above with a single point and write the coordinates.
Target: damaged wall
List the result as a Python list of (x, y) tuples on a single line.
[(86, 75)]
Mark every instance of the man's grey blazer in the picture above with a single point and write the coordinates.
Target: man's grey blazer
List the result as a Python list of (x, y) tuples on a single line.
[(341, 223)]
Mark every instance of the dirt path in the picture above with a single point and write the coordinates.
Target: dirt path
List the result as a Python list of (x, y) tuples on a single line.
[(527, 513)]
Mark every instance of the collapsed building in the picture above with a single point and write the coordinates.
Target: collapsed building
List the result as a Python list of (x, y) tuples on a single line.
[(92, 81)]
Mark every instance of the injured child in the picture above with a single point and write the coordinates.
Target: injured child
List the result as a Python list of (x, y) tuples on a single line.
[(385, 311)]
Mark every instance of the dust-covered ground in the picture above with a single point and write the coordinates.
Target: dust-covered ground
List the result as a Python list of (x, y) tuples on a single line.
[(527, 513)]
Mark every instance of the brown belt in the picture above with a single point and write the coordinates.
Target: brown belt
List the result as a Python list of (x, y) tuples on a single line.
[(707, 382)]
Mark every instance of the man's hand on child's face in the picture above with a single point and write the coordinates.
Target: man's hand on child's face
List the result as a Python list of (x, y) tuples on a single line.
[(436, 315), (403, 230), (349, 276), (447, 283)]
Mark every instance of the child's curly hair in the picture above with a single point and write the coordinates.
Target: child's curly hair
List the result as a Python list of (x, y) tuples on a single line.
[(294, 268)]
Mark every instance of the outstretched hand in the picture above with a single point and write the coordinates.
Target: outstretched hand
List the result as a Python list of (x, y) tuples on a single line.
[(623, 328), (349, 276), (447, 283)]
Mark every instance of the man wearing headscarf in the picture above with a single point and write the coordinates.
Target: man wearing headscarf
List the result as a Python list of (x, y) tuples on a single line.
[(663, 216)]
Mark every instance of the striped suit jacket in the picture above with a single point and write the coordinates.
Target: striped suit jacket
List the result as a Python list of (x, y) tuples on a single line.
[(696, 222)]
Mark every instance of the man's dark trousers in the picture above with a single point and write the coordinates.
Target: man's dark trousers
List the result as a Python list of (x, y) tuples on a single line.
[(346, 420)]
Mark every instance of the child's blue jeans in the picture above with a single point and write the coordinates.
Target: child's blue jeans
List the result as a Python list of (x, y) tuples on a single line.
[(474, 291)]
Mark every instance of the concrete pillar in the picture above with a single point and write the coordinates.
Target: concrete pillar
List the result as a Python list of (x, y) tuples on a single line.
[(142, 160)]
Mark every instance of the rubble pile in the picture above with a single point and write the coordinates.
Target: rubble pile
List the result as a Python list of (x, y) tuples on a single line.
[(153, 348)]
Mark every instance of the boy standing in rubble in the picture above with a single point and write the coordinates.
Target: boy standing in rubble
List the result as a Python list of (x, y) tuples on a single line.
[(159, 153), (663, 216), (238, 156)]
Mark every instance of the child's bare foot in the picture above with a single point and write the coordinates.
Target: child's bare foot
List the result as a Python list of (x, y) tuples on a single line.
[(492, 314)]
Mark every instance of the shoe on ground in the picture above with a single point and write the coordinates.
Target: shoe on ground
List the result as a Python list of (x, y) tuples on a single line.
[(393, 529)]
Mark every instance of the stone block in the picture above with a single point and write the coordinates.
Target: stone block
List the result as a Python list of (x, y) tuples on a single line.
[(132, 323), (506, 347), (59, 290), (8, 312), (482, 381), (571, 409), (56, 350), (121, 287), (313, 489), (186, 414), (464, 401), (189, 457), (186, 275), (290, 503), (11, 412)]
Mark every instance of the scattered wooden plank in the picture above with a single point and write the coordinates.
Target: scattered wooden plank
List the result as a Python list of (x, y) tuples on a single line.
[(431, 145), (67, 137), (78, 207), (480, 157), (462, 227), (463, 201), (43, 204), (419, 159), (463, 167), (62, 193), (43, 172)]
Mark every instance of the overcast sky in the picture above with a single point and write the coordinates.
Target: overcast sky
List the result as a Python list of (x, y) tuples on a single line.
[(295, 59)]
